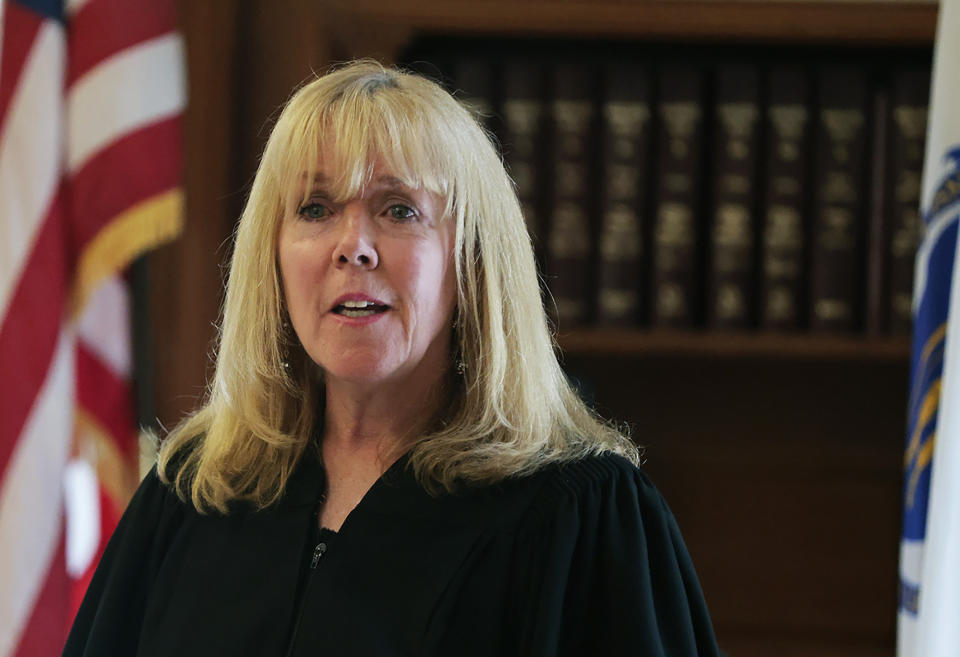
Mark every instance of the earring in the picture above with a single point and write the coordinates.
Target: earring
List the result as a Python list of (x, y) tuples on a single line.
[(458, 364), (285, 354)]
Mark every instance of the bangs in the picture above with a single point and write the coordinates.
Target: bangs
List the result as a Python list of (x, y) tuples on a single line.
[(372, 120)]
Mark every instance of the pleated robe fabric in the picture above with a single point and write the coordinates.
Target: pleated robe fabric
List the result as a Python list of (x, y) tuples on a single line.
[(582, 558)]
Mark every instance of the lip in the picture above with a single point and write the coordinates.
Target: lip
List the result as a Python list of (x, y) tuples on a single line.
[(358, 321), (357, 296)]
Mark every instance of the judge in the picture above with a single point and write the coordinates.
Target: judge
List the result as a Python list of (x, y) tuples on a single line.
[(390, 460)]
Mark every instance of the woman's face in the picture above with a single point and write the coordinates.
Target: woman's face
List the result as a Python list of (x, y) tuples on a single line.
[(369, 283)]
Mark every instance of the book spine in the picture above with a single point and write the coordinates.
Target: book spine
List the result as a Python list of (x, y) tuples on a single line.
[(626, 126), (786, 160), (569, 247), (731, 279), (910, 91), (836, 258), (878, 262), (676, 230), (524, 139)]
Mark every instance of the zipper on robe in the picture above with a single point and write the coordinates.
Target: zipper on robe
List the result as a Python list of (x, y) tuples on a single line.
[(306, 576)]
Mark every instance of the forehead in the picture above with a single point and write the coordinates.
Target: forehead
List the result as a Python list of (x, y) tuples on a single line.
[(343, 174)]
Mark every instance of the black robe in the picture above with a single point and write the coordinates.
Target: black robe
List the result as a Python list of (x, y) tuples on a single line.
[(577, 559)]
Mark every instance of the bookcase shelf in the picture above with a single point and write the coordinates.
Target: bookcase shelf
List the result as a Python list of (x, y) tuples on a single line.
[(637, 343), (814, 22)]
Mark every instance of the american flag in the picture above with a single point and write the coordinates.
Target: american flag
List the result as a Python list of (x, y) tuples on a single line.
[(91, 97)]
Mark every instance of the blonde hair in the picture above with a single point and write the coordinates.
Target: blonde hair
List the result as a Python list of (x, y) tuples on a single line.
[(513, 411)]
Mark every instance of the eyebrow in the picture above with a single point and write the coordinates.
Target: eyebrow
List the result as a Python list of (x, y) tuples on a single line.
[(321, 181)]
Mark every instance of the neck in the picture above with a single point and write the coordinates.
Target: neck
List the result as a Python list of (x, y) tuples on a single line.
[(381, 420)]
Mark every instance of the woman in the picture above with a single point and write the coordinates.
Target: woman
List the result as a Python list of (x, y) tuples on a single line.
[(390, 460)]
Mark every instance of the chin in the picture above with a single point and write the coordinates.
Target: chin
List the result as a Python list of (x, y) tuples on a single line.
[(369, 369)]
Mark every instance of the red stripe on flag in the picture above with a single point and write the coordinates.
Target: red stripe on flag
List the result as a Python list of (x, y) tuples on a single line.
[(46, 630), (107, 398), (29, 332), (20, 27), (105, 27), (148, 162)]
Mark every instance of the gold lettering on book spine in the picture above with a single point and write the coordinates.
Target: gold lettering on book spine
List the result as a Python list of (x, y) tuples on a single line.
[(843, 127), (730, 303), (912, 121), (681, 121), (570, 238), (617, 302), (904, 240), (674, 235), (832, 310), (522, 118), (783, 238), (839, 188), (789, 122), (908, 187), (671, 302), (836, 229), (626, 119), (573, 120), (620, 239), (738, 120), (625, 122), (781, 304), (732, 237)]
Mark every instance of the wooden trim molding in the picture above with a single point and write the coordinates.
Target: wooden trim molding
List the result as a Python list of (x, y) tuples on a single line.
[(813, 22)]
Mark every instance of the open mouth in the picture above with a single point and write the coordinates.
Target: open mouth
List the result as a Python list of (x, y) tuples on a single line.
[(359, 309)]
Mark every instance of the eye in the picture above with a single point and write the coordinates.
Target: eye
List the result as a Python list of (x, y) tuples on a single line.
[(401, 212), (314, 211)]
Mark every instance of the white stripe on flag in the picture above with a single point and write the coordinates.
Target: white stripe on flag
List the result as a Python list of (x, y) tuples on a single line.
[(943, 128), (30, 155), (911, 563), (82, 494), (104, 326), (30, 500), (132, 89)]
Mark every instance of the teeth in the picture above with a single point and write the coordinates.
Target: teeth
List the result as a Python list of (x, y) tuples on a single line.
[(357, 304), (350, 312)]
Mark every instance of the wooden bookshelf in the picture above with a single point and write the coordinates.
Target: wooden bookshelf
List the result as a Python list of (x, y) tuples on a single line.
[(633, 344)]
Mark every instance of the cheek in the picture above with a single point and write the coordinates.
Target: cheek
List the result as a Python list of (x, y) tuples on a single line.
[(432, 287), (298, 266)]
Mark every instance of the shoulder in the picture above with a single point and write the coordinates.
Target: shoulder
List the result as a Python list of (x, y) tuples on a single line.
[(577, 494), (595, 481), (154, 502)]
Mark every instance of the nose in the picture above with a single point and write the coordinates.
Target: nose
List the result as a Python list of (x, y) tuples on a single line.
[(357, 240)]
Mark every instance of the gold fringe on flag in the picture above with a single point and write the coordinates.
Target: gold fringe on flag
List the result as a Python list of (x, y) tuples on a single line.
[(145, 226)]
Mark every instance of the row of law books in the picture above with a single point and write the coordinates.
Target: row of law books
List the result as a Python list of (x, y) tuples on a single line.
[(711, 189)]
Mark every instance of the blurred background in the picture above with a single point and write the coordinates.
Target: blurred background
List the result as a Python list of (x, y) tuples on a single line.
[(724, 200)]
